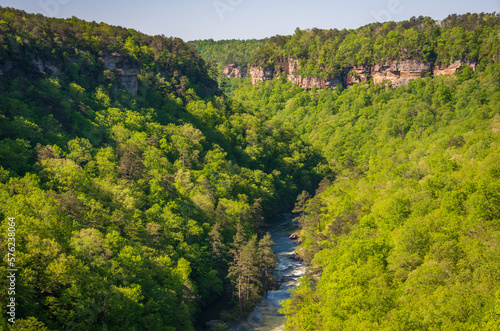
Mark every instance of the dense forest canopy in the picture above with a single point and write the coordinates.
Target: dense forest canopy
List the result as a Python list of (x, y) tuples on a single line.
[(136, 208), (126, 205), (323, 53), (239, 52), (404, 230), (406, 233)]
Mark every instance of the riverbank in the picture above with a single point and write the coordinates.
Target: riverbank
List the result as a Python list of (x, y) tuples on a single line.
[(265, 315)]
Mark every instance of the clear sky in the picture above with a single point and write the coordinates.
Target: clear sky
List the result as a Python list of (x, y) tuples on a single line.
[(246, 19)]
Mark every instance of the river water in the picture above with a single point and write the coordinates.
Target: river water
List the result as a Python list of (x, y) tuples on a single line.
[(265, 315)]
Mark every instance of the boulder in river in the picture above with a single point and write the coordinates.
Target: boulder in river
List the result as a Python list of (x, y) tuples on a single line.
[(294, 235), (295, 257), (284, 280)]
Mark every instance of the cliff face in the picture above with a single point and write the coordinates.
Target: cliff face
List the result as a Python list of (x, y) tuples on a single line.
[(260, 74), (38, 66), (234, 71), (290, 69), (396, 72), (123, 67), (452, 68), (125, 70)]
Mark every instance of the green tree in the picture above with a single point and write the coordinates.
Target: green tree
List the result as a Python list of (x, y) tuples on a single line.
[(267, 261)]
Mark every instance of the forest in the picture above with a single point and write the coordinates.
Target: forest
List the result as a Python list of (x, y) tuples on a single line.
[(138, 208), (133, 212), (403, 233), (325, 53)]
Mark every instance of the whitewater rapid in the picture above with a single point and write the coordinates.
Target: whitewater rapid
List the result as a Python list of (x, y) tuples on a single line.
[(265, 315)]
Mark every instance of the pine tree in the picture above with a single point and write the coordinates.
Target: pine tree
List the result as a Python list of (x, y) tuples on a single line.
[(300, 206), (235, 272), (217, 244), (267, 261), (251, 285)]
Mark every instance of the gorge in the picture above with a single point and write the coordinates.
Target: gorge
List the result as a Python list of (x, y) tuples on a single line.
[(143, 180)]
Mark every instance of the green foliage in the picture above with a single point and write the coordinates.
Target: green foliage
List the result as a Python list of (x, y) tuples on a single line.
[(251, 268), (239, 52), (403, 233), (325, 53), (126, 205), (136, 212)]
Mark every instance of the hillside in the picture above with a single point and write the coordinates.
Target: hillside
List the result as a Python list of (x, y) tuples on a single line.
[(128, 174), (403, 232), (141, 178), (393, 51)]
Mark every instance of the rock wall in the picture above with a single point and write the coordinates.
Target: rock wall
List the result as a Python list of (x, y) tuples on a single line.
[(290, 69), (398, 73), (125, 70), (38, 65), (452, 68), (260, 74), (45, 67), (234, 71)]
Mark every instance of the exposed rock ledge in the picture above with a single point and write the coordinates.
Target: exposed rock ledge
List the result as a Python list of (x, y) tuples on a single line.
[(125, 70), (40, 66), (233, 70), (397, 72)]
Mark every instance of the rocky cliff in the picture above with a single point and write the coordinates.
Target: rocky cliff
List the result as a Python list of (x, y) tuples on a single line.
[(123, 67), (396, 72), (452, 68), (38, 66), (290, 69), (125, 70), (234, 71)]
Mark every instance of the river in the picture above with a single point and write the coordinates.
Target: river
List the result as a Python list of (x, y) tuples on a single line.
[(265, 315)]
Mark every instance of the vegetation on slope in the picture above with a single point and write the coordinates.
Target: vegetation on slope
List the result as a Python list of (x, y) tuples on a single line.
[(126, 206), (405, 233), (136, 211), (234, 51), (325, 53)]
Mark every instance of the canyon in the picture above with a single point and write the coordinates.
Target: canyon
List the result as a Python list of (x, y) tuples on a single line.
[(397, 73)]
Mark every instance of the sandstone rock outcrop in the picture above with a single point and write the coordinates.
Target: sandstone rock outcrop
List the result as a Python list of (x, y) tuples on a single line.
[(260, 74), (398, 73), (234, 71), (452, 67), (290, 69), (39, 65), (125, 69)]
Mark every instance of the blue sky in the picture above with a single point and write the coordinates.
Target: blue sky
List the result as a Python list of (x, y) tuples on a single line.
[(245, 19)]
